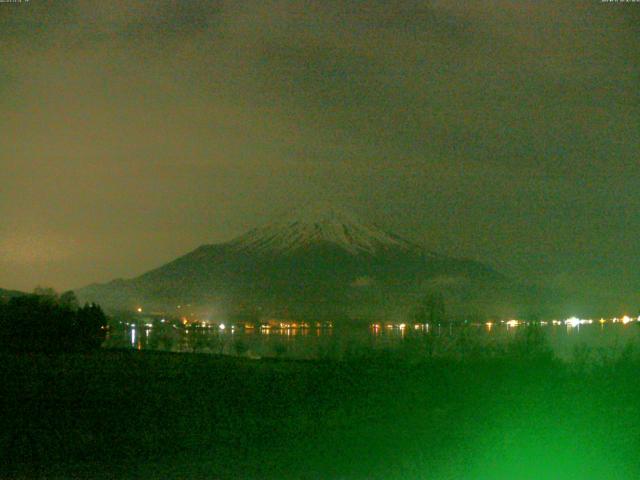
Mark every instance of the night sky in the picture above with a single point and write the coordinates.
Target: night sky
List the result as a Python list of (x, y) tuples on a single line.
[(133, 131)]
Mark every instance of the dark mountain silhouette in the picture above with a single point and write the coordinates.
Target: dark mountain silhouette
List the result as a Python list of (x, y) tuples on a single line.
[(318, 261)]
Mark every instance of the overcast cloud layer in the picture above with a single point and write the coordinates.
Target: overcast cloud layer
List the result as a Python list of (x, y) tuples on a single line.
[(133, 131)]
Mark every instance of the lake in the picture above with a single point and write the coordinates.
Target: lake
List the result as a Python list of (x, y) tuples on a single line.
[(342, 341)]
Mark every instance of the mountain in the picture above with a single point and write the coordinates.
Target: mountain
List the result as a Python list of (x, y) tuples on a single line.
[(319, 224), (316, 261)]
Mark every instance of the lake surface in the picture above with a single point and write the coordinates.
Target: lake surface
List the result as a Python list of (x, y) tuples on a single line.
[(338, 342)]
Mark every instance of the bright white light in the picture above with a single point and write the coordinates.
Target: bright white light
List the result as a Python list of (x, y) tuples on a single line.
[(626, 319), (575, 321), (139, 309), (572, 322), (513, 323), (222, 327)]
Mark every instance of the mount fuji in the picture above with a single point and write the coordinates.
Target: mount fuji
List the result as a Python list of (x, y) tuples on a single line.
[(320, 224), (316, 261)]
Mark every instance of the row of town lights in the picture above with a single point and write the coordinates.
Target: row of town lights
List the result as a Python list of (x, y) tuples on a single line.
[(571, 322)]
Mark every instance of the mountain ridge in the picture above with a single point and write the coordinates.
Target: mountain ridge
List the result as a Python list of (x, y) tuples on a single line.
[(315, 224), (311, 262)]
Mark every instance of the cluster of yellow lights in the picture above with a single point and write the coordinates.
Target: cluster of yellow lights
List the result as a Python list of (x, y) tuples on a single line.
[(401, 326), (287, 325), (570, 322), (626, 319)]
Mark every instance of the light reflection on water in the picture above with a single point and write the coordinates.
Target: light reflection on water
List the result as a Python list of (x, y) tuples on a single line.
[(338, 342)]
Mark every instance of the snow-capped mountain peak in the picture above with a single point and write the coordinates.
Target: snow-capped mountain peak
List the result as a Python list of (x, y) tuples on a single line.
[(319, 223)]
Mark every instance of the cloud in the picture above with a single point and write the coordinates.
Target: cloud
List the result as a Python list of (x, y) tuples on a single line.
[(494, 130), (35, 248)]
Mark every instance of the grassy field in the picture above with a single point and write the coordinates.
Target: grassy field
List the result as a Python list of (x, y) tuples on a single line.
[(116, 414)]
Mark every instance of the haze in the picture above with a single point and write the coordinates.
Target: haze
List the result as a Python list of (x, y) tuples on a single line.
[(133, 131)]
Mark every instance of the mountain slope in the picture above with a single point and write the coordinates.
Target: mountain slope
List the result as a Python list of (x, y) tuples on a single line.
[(315, 261), (315, 224)]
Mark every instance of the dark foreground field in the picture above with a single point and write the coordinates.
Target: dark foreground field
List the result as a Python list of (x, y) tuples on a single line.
[(116, 414)]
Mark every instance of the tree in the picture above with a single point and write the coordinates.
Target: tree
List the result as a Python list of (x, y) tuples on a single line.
[(46, 293), (240, 347), (432, 309), (280, 349), (69, 300), (530, 343), (42, 323), (91, 327)]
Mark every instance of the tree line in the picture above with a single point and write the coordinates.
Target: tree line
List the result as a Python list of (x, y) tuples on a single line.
[(47, 322)]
